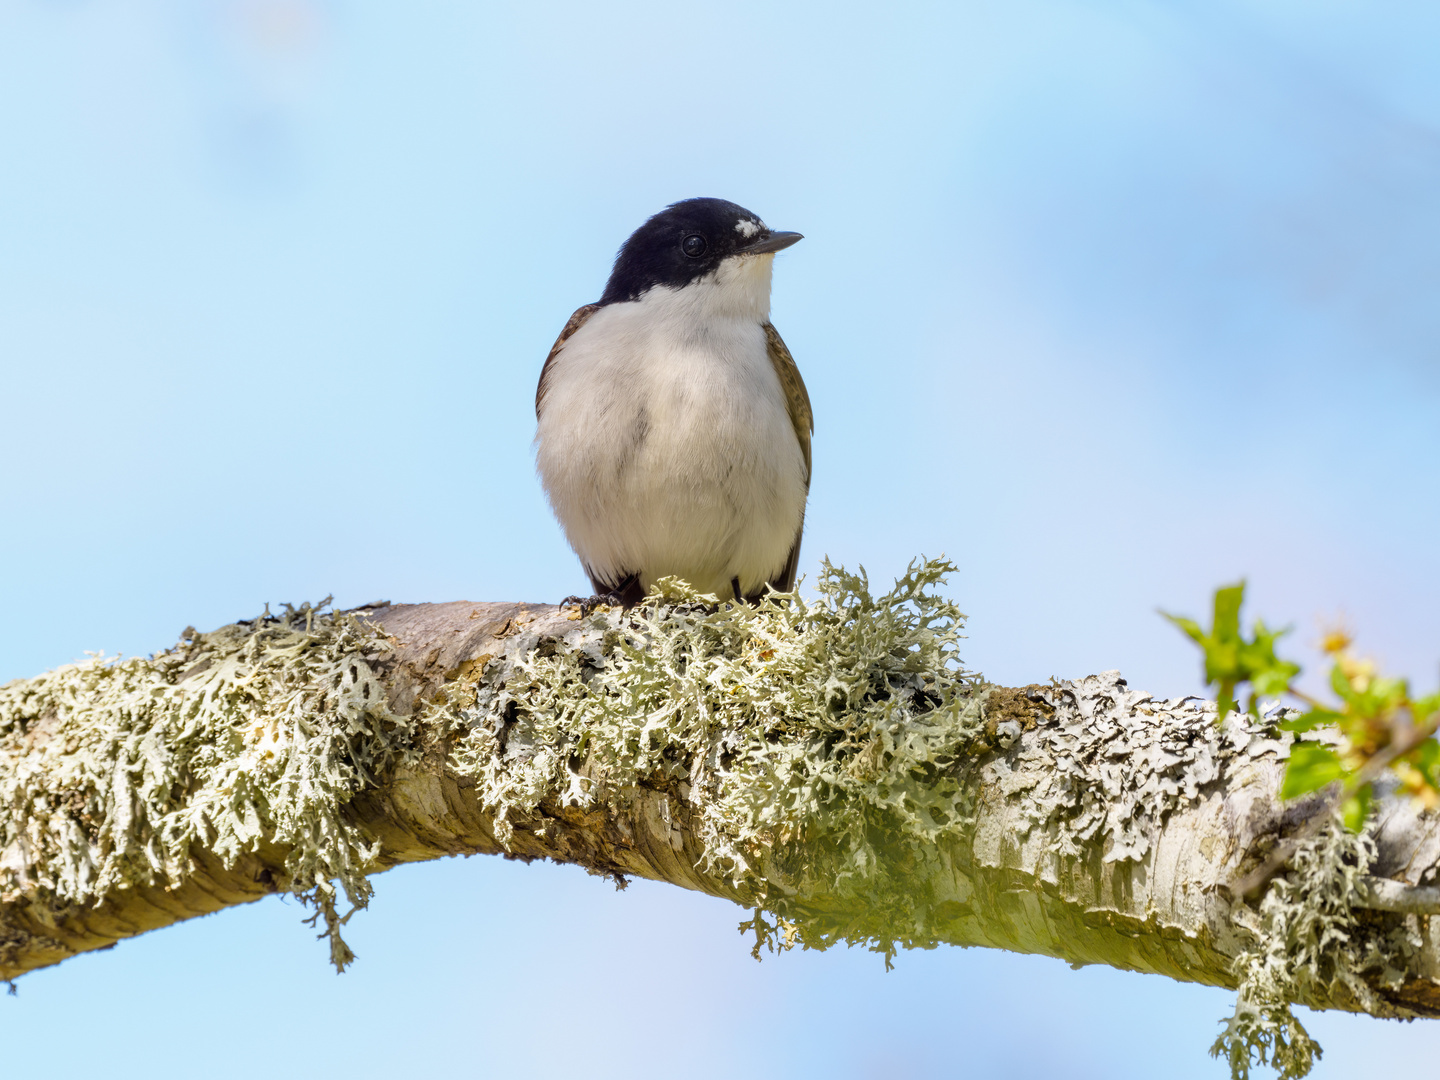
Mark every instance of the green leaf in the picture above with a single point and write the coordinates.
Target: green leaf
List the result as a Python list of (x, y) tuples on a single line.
[(1424, 708), (1274, 681), (1356, 808), (1190, 626), (1311, 766), (1341, 685), (1268, 673), (1426, 758), (1227, 610), (1384, 695), (1311, 720), (1231, 660)]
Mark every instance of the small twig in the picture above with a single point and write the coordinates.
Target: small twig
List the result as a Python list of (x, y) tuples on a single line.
[(1258, 878), (1382, 894), (1313, 702)]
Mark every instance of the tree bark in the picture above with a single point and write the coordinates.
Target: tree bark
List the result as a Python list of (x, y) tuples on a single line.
[(1106, 828)]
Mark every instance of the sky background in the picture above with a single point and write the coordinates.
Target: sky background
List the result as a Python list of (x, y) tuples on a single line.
[(1109, 302)]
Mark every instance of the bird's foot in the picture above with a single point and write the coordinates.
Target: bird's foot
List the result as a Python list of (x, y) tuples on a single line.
[(589, 604), (623, 596)]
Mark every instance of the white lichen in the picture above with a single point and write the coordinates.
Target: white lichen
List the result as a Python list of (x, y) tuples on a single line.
[(1308, 940), (1112, 764), (1103, 774), (114, 772), (811, 740), (825, 756)]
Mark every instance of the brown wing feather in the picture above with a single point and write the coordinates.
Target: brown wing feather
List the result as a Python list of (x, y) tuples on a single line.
[(576, 321), (803, 419)]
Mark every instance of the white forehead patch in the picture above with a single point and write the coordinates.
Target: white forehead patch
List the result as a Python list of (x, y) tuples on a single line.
[(747, 227)]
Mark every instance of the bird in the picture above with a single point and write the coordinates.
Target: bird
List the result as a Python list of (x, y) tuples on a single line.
[(673, 428)]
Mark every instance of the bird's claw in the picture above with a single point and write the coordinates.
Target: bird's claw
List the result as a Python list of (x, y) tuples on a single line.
[(589, 604)]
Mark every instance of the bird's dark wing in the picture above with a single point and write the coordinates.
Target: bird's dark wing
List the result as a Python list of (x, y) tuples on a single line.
[(576, 321), (798, 402)]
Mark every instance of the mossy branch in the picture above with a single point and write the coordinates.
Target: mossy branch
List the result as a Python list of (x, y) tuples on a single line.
[(829, 764)]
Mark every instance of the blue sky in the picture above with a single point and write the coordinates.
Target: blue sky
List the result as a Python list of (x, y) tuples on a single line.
[(1109, 302)]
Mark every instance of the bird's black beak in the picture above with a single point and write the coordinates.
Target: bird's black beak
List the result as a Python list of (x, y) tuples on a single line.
[(775, 241)]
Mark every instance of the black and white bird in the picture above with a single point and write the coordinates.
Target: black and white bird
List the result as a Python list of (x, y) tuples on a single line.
[(673, 426)]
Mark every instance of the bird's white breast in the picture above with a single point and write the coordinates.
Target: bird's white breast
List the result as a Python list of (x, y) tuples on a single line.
[(665, 443)]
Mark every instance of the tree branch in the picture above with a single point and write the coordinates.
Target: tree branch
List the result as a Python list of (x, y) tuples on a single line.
[(1080, 820)]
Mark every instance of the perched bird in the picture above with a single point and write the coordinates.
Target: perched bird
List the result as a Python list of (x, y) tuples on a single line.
[(674, 429)]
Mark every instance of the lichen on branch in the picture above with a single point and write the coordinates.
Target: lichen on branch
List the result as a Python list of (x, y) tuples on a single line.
[(827, 760), (114, 772), (1310, 938), (816, 745)]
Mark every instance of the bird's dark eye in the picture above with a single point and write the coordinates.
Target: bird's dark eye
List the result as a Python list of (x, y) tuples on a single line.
[(694, 245)]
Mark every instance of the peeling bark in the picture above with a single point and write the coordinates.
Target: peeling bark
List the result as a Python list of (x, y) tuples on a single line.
[(1184, 807)]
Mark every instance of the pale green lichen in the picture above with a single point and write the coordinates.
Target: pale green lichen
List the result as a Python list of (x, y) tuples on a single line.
[(811, 738), (1309, 941), (827, 748), (1102, 774), (114, 772), (823, 752)]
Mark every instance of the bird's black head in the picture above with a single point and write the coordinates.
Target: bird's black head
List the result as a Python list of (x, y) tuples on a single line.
[(685, 241)]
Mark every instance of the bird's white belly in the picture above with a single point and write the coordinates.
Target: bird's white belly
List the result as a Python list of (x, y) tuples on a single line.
[(672, 454)]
